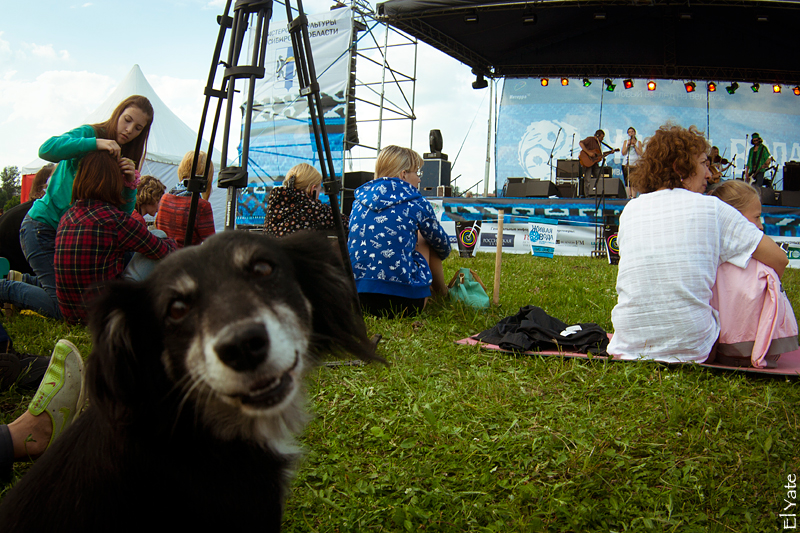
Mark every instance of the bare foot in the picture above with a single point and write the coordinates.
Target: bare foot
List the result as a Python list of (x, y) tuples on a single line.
[(30, 435)]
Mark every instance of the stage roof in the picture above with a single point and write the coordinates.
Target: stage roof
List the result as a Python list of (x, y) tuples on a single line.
[(719, 40)]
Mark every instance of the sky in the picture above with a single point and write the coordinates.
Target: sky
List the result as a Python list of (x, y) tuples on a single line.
[(60, 60)]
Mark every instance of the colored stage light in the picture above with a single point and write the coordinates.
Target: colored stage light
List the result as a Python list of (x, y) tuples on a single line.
[(755, 87), (564, 82), (545, 82), (586, 82), (651, 85), (732, 88), (690, 86), (796, 90), (627, 83), (712, 87), (610, 85), (776, 88)]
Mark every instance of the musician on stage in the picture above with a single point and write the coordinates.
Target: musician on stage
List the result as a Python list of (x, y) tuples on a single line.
[(631, 151), (591, 145), (718, 166), (757, 161)]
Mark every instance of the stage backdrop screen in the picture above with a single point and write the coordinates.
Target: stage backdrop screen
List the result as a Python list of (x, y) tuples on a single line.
[(281, 135), (536, 121)]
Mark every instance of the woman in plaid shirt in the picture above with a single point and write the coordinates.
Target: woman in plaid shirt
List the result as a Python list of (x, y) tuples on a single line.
[(94, 235)]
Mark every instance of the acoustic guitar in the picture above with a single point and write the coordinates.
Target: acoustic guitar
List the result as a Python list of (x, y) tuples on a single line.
[(588, 159)]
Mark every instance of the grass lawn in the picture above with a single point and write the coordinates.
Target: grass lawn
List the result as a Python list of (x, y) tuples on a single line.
[(452, 438)]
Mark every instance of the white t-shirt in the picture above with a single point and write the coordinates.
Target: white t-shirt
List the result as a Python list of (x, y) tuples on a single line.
[(671, 244)]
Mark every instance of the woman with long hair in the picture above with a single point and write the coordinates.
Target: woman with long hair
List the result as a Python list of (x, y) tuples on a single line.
[(95, 235), (123, 136)]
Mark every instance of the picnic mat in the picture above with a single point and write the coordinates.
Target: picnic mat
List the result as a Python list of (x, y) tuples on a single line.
[(788, 364)]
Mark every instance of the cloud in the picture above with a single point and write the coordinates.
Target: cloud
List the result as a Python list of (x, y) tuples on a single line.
[(55, 102), (46, 51)]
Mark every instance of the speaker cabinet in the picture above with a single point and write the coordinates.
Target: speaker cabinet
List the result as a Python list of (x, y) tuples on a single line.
[(568, 168), (791, 176), (608, 187), (790, 198), (568, 190), (351, 182), (531, 189), (769, 196), (435, 174)]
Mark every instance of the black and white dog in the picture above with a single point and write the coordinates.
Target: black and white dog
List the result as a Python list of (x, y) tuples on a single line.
[(195, 392)]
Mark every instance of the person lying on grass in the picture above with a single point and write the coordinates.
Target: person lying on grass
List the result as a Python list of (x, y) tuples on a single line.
[(672, 238), (396, 243), (756, 319)]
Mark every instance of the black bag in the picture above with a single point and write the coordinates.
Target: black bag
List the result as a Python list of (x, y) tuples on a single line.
[(533, 329)]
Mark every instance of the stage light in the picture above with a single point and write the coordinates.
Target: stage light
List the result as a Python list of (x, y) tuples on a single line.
[(627, 83), (762, 18), (690, 86), (545, 82), (651, 85), (796, 90), (471, 19), (599, 16), (586, 82), (564, 82), (732, 88), (529, 19), (776, 88), (755, 87), (712, 87), (610, 85)]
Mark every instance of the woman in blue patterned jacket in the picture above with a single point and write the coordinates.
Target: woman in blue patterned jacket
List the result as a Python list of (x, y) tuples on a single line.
[(396, 243)]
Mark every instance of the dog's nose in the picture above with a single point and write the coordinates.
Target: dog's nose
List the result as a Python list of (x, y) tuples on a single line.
[(243, 348)]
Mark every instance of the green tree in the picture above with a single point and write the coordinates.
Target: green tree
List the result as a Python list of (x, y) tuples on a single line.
[(10, 182)]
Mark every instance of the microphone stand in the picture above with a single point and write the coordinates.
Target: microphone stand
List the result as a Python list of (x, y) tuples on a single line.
[(550, 161)]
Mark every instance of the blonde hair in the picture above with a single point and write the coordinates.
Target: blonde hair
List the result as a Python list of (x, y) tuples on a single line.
[(302, 177), (185, 169), (149, 191), (394, 159), (736, 194)]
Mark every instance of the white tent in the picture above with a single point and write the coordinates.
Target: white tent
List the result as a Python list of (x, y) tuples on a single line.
[(170, 139)]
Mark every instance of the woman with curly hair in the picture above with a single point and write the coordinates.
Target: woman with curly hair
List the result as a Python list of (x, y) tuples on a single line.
[(148, 195), (672, 238)]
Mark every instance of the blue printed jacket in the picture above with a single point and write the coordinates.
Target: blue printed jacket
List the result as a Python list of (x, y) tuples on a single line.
[(386, 215)]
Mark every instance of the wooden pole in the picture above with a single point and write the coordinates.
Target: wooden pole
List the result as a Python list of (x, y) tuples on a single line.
[(498, 259)]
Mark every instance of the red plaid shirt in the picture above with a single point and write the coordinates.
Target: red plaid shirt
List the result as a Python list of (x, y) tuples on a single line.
[(91, 242), (173, 214)]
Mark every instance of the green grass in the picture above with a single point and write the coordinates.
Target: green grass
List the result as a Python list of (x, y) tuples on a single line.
[(453, 438)]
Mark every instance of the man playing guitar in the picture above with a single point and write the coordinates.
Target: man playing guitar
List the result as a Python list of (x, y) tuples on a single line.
[(757, 161), (591, 155)]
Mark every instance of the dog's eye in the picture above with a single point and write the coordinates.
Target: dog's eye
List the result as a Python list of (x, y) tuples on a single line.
[(177, 309), (261, 268)]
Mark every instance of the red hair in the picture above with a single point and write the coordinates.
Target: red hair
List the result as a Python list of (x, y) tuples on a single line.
[(99, 178), (669, 157)]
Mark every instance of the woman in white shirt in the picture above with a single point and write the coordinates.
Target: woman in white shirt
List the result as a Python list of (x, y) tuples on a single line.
[(672, 239), (631, 152)]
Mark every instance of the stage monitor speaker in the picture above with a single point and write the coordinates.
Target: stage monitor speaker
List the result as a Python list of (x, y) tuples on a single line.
[(567, 190), (791, 176), (568, 168), (352, 181), (790, 198), (608, 187), (769, 196), (531, 189), (434, 173)]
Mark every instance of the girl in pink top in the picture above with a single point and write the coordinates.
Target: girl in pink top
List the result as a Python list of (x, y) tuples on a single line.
[(756, 319)]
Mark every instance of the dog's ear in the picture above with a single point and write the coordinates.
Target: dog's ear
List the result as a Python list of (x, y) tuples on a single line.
[(124, 370), (323, 280)]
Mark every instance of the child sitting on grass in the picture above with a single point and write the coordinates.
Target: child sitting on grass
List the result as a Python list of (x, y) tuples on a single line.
[(756, 319), (95, 234)]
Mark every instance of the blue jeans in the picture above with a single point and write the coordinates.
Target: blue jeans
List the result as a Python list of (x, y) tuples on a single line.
[(38, 242)]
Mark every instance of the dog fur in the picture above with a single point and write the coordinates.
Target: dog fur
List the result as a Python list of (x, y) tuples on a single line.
[(195, 392)]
